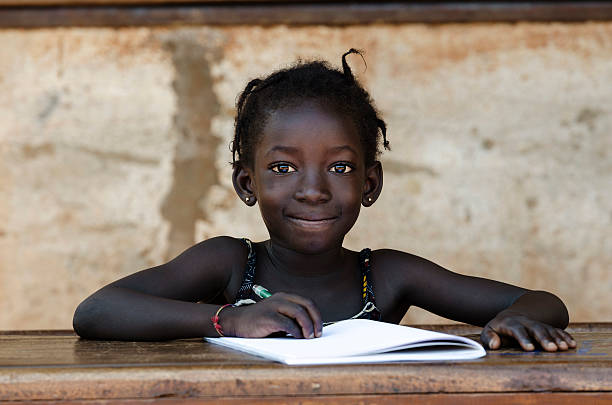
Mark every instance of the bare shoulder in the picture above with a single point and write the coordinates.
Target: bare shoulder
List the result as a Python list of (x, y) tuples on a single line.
[(201, 272), (394, 275), (395, 272), (394, 261), (405, 273), (221, 250)]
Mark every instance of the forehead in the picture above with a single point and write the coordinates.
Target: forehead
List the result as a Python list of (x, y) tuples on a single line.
[(309, 124)]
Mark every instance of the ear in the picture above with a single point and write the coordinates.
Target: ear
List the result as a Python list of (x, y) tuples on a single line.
[(242, 179), (372, 185)]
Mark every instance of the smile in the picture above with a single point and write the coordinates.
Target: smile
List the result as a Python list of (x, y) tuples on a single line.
[(312, 222)]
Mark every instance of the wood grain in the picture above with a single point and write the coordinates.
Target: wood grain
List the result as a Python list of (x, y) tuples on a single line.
[(13, 15), (62, 367), (414, 399), (140, 2)]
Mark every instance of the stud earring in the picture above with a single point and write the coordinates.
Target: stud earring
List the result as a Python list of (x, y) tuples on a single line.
[(247, 199), (369, 199)]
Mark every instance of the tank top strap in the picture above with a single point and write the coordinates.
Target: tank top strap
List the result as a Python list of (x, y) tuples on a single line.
[(369, 311), (368, 300), (246, 287)]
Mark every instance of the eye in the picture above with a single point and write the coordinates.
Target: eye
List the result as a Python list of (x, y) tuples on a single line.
[(341, 168), (282, 168)]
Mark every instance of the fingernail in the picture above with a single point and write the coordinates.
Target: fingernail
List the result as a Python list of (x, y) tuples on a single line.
[(530, 346), (310, 336), (563, 345), (551, 346)]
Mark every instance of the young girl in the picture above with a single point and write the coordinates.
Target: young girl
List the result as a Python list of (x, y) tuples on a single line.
[(305, 150)]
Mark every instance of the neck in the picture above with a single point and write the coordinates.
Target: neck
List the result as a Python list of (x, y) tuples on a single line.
[(298, 264)]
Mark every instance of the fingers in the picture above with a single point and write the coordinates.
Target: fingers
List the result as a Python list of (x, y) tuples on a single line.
[(522, 337), (559, 339), (568, 338), (527, 333), (303, 319), (490, 338), (313, 312), (289, 325), (552, 339), (545, 336), (298, 315)]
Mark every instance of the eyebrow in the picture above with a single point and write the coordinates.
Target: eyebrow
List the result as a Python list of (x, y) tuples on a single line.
[(343, 147), (280, 148), (295, 151)]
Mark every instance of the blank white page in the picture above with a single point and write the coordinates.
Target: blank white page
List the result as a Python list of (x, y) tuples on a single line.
[(355, 337)]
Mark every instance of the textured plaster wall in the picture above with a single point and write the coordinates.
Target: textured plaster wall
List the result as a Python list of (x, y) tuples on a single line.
[(114, 152)]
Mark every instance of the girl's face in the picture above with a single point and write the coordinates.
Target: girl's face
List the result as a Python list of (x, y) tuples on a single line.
[(309, 177)]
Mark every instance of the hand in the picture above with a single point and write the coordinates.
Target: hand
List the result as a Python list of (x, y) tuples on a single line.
[(526, 332), (292, 314)]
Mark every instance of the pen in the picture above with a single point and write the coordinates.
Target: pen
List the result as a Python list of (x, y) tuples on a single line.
[(261, 292)]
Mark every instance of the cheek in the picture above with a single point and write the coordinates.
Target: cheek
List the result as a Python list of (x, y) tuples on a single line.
[(348, 195), (272, 199), (347, 189), (273, 191)]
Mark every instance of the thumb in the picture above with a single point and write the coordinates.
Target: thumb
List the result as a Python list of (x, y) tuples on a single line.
[(490, 338)]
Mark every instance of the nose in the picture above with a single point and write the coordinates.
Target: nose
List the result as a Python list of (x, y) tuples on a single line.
[(313, 188)]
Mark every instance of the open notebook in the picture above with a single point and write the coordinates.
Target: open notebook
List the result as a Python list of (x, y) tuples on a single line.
[(359, 341)]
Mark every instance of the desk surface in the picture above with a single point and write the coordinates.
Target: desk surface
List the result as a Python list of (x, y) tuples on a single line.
[(57, 365)]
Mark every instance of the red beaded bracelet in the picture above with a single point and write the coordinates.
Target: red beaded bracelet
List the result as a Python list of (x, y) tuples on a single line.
[(215, 319)]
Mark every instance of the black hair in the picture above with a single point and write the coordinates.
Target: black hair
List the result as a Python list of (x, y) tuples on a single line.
[(317, 81)]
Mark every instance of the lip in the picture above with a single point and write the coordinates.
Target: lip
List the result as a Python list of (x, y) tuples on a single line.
[(310, 221)]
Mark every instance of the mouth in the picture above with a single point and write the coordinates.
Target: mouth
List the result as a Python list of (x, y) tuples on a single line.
[(311, 221)]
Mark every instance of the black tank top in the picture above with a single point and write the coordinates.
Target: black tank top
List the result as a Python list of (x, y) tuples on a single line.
[(246, 295)]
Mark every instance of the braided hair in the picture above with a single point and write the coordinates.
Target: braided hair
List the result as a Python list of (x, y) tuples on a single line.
[(314, 81)]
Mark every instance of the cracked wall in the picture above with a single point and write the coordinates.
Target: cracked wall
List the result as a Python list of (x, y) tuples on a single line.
[(114, 152)]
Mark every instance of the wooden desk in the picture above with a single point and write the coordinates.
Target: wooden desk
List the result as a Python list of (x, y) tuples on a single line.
[(58, 366)]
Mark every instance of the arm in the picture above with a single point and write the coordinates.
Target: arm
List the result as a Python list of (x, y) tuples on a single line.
[(161, 303), (503, 309)]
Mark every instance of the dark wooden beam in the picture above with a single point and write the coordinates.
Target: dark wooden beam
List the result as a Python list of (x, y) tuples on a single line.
[(143, 2), (300, 13)]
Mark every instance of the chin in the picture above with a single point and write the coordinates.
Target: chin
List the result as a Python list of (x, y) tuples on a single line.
[(310, 240)]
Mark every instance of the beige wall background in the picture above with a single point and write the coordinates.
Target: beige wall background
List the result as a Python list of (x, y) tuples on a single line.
[(114, 152)]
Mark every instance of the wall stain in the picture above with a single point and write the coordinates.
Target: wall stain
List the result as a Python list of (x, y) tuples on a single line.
[(588, 117), (394, 166), (50, 104), (487, 144), (194, 160), (453, 43), (34, 151), (531, 202), (116, 156)]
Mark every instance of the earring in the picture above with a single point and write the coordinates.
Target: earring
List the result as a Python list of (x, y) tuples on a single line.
[(247, 199), (369, 199)]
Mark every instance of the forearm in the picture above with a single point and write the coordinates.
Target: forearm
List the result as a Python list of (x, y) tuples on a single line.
[(541, 306), (122, 314)]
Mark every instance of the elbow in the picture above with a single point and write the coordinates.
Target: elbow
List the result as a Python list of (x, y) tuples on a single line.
[(85, 319), (558, 315), (542, 306), (563, 315)]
